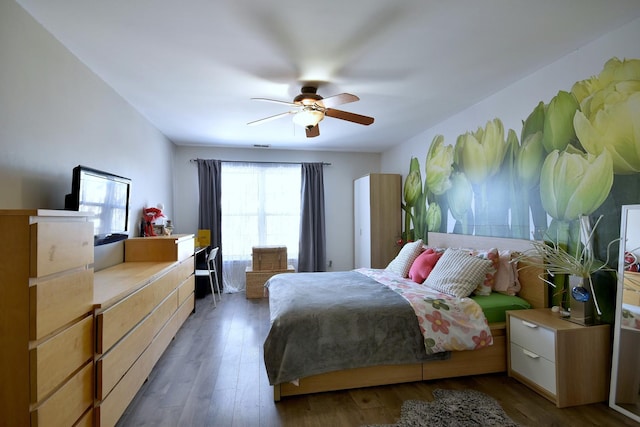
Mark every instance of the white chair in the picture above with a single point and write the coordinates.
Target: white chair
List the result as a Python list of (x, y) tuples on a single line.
[(212, 269)]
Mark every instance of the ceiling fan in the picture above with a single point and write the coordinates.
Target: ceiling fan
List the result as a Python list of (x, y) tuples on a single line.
[(311, 108)]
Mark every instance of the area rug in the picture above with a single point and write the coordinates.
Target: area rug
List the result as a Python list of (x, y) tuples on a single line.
[(453, 408)]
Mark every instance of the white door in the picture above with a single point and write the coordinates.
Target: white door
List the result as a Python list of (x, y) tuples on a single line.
[(362, 222)]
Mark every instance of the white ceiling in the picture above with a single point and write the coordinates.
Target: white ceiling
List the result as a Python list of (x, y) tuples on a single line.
[(191, 66)]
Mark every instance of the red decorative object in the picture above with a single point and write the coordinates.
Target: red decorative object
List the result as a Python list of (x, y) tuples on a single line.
[(631, 262), (149, 216)]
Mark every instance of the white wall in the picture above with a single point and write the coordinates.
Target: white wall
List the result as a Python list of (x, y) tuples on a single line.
[(514, 103), (55, 113), (338, 185)]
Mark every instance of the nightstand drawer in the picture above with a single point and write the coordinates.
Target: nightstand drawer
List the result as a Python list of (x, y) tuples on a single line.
[(534, 367), (533, 337)]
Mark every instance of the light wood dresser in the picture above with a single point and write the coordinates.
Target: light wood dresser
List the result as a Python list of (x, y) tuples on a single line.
[(46, 318), (75, 346), (140, 305)]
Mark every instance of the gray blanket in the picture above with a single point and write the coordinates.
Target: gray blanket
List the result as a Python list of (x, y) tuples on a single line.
[(323, 322)]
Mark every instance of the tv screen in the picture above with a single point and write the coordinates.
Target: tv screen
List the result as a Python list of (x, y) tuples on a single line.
[(104, 195)]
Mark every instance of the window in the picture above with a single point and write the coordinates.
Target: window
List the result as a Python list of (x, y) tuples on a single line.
[(260, 206)]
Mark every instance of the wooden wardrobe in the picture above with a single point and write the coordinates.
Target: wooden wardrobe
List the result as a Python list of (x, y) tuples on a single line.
[(377, 219)]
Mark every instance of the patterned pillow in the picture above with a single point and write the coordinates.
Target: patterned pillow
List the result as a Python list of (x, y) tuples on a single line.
[(402, 263), (457, 273), (423, 265), (489, 281)]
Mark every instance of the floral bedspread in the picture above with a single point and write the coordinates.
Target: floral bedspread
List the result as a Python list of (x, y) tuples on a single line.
[(447, 323)]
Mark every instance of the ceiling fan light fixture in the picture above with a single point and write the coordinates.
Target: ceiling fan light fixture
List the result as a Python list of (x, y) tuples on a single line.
[(308, 118)]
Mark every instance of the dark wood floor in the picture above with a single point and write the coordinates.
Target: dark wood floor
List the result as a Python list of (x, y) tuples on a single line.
[(212, 374)]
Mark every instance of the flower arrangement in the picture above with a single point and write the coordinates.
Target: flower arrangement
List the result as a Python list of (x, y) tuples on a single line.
[(554, 259)]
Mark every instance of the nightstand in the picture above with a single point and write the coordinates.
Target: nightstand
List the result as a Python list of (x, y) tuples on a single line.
[(565, 362)]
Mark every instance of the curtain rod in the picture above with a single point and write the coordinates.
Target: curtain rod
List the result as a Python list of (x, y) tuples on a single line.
[(263, 162)]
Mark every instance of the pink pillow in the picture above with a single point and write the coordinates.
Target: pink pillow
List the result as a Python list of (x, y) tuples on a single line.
[(422, 266), (506, 279)]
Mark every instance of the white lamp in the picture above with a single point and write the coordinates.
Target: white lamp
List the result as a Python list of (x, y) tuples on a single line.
[(308, 117)]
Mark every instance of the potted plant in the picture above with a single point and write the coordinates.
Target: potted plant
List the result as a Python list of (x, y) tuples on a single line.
[(577, 267)]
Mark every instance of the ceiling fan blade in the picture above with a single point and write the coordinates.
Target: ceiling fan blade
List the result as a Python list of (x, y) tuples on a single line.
[(351, 117), (268, 119), (313, 132), (291, 104), (340, 99)]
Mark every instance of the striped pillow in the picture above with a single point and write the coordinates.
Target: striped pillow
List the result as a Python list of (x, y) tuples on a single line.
[(402, 263), (493, 255), (457, 273)]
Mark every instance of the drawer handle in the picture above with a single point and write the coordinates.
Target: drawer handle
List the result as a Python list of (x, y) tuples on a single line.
[(529, 324), (530, 354)]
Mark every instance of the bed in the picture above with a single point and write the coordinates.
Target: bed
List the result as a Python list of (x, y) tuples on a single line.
[(348, 314)]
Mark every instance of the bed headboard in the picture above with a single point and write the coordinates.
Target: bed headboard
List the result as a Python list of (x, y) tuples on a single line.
[(534, 290)]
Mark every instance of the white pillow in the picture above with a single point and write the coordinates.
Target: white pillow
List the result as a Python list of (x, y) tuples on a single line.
[(402, 263), (506, 279), (457, 273)]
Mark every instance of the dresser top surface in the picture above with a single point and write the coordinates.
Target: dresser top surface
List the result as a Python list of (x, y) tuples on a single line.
[(115, 283)]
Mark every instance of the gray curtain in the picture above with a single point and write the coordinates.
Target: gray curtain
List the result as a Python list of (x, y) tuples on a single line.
[(210, 209), (312, 254)]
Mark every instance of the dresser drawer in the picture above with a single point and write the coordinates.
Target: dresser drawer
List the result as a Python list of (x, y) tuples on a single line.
[(159, 248), (185, 248), (117, 321), (536, 368), (533, 337), (114, 364), (59, 300), (111, 408), (186, 288), (184, 270), (86, 420), (57, 358), (60, 246), (68, 403)]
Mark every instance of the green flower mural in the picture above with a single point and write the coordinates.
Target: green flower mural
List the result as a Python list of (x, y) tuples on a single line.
[(413, 203), (562, 167), (577, 156), (459, 199), (558, 129), (439, 166), (480, 155), (423, 206), (574, 184), (609, 116), (525, 190)]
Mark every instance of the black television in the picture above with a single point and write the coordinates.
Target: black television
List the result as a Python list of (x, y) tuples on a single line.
[(104, 195)]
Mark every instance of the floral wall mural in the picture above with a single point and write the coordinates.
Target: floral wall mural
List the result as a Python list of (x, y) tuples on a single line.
[(576, 156)]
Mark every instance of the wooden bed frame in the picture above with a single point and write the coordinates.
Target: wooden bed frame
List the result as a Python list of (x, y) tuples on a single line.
[(488, 360)]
